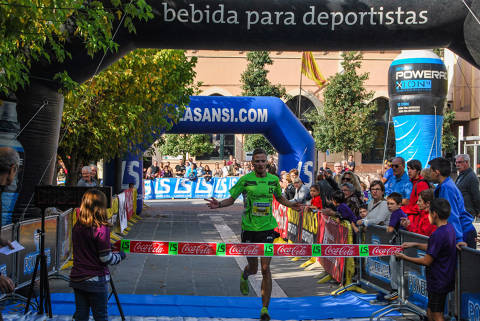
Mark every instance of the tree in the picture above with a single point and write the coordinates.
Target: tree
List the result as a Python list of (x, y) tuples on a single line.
[(346, 121), (36, 31), (181, 144), (258, 141), (255, 83), (449, 141), (126, 107)]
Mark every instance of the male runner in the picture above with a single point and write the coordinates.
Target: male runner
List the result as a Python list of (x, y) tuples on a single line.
[(258, 223)]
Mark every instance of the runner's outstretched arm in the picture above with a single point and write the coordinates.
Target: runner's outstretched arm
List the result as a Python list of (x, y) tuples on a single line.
[(214, 203), (295, 205)]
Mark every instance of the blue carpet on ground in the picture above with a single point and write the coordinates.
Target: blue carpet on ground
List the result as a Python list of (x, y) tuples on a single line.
[(347, 305)]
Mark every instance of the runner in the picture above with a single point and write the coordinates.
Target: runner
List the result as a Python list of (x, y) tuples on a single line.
[(258, 223)]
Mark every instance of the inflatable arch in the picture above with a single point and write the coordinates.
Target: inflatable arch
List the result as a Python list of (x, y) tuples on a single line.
[(239, 115), (244, 25)]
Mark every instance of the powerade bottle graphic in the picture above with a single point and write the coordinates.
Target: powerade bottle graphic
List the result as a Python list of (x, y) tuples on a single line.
[(417, 85), (9, 128)]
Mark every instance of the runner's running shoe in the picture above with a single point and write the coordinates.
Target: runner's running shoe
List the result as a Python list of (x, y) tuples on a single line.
[(391, 296), (244, 285), (264, 316)]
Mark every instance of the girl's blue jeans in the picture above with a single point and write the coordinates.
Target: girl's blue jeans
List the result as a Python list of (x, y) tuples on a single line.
[(84, 301)]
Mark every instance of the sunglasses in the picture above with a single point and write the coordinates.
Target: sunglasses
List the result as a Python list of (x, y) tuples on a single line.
[(395, 166), (346, 179)]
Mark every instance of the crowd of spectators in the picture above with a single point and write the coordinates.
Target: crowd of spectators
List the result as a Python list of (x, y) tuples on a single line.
[(192, 170), (417, 187)]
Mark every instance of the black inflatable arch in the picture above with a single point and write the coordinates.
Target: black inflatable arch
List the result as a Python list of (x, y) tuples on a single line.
[(295, 25)]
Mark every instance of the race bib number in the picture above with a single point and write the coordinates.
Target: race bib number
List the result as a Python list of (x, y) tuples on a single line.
[(261, 209)]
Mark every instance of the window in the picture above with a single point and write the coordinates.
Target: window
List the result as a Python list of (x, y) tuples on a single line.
[(305, 107), (375, 155)]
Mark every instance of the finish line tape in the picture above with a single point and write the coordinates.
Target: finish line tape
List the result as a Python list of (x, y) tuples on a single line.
[(256, 249)]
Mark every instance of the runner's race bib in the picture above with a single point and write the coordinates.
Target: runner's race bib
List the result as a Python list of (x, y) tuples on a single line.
[(261, 208)]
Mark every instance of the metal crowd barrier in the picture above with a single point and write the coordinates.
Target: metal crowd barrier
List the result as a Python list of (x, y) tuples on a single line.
[(468, 285), (7, 262), (464, 304), (375, 271)]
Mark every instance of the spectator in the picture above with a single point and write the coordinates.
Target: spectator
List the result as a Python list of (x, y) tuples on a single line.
[(351, 163), (153, 170), (349, 177), (414, 168), (326, 189), (467, 183), (193, 173), (351, 198), (330, 180), (387, 166), (94, 173), (446, 188), (400, 182), (394, 202), (344, 166), (180, 169), (337, 172), (86, 179), (378, 212), (9, 162), (423, 225), (61, 176), (167, 171), (91, 256), (217, 171), (316, 200), (225, 169), (289, 191), (342, 211), (188, 168), (365, 192), (302, 193), (207, 173), (271, 166), (200, 169), (231, 160), (440, 259)]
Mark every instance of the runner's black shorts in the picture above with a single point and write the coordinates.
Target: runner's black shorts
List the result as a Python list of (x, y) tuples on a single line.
[(436, 301), (259, 236)]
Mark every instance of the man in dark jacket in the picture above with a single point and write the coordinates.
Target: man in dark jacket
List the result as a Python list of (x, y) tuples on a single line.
[(467, 183)]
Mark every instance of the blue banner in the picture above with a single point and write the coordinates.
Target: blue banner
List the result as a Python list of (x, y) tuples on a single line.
[(163, 188)]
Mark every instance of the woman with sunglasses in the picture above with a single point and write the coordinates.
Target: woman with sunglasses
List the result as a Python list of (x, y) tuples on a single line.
[(378, 212)]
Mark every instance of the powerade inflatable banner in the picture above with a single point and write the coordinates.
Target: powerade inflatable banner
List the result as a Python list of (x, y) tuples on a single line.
[(162, 188), (417, 86), (254, 115)]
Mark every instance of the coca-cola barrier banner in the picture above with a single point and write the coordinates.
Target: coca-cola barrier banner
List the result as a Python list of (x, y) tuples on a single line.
[(254, 249), (279, 211)]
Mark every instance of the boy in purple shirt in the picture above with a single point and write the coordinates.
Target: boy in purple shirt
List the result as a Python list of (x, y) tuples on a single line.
[(343, 212), (394, 203), (440, 259)]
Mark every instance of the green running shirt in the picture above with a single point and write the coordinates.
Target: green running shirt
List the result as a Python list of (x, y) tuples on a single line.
[(258, 196)]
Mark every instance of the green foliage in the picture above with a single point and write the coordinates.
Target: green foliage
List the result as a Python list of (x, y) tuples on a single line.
[(346, 121), (258, 141), (33, 31), (181, 144), (125, 107), (254, 79), (449, 141), (255, 83)]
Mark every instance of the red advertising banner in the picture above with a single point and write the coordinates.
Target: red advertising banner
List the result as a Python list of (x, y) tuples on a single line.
[(128, 203), (150, 247), (332, 233), (279, 211)]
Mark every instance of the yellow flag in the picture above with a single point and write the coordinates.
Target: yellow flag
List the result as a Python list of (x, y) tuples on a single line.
[(310, 69)]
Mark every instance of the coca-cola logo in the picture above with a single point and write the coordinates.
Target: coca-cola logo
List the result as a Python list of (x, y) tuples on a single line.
[(293, 250), (385, 250), (149, 247), (196, 249), (338, 250), (244, 249)]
